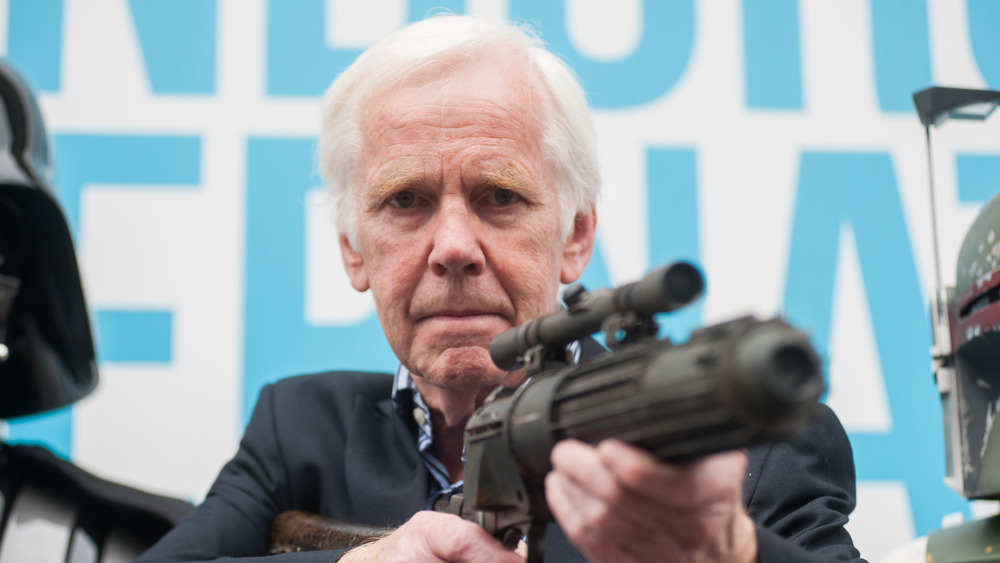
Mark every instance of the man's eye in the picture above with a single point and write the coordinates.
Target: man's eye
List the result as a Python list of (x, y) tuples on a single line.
[(503, 197), (402, 200)]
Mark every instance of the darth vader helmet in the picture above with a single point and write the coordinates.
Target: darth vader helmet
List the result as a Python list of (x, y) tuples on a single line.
[(46, 346)]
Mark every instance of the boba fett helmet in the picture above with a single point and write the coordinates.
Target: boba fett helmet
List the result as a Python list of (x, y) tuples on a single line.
[(968, 371)]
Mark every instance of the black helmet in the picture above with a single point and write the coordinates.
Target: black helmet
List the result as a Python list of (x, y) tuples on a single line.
[(46, 347)]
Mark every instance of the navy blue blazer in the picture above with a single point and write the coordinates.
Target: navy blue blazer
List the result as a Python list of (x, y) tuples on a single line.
[(333, 444)]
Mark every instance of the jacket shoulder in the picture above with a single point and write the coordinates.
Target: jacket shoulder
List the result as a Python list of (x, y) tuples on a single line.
[(330, 385)]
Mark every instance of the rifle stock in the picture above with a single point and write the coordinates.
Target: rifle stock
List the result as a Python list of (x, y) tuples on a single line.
[(297, 530)]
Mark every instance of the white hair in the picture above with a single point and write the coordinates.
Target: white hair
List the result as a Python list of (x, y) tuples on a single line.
[(568, 141)]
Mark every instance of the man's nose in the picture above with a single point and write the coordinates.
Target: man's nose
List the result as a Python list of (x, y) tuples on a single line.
[(457, 247)]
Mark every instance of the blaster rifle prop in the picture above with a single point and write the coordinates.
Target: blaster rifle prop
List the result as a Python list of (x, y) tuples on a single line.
[(731, 385)]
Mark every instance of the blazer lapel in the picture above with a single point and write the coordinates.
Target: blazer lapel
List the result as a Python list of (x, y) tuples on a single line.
[(386, 478)]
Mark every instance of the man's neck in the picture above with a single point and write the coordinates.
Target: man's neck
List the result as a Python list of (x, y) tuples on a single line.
[(450, 411), (449, 443)]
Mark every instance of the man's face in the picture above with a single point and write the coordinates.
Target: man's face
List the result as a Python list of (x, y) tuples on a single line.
[(458, 223)]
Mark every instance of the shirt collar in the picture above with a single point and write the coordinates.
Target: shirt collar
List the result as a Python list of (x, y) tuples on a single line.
[(411, 406)]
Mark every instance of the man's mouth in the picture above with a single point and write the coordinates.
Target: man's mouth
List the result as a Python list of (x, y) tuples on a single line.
[(460, 315)]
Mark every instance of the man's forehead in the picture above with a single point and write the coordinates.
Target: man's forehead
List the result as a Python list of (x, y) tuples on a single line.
[(499, 87)]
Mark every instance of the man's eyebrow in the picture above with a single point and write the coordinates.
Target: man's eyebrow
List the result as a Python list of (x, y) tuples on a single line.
[(510, 178), (384, 186), (505, 177)]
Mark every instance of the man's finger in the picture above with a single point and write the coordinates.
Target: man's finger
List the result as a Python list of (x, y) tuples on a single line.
[(690, 483), (582, 463)]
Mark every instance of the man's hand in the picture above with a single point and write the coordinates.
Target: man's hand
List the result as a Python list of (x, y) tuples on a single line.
[(615, 502), (435, 536)]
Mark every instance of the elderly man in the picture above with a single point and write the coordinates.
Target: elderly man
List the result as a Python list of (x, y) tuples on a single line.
[(460, 156)]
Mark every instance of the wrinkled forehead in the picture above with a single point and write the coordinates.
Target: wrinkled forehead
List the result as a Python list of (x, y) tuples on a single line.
[(483, 109), (505, 82)]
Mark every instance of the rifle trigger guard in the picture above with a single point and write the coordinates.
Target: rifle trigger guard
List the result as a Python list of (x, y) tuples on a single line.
[(452, 505)]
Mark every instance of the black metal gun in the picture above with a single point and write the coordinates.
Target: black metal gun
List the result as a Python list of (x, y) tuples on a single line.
[(731, 385)]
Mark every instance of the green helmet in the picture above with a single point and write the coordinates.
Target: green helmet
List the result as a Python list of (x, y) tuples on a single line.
[(972, 361)]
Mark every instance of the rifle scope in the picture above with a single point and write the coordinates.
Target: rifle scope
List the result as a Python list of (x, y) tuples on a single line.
[(665, 289)]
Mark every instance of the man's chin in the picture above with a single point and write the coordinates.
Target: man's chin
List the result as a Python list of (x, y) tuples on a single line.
[(464, 368)]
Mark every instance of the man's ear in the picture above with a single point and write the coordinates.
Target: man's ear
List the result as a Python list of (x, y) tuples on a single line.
[(354, 264), (579, 245)]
